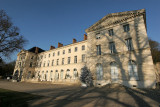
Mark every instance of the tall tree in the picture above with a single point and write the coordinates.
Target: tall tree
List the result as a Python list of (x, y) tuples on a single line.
[(10, 39), (155, 50)]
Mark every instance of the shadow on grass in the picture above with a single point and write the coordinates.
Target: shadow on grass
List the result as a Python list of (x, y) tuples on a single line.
[(10, 98)]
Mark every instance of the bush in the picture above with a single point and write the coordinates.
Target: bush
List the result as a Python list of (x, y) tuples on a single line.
[(86, 76)]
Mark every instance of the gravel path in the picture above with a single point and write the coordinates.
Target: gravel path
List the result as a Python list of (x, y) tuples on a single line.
[(56, 95)]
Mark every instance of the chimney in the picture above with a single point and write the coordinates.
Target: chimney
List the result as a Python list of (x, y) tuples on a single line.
[(52, 47), (85, 37), (59, 45), (36, 50), (74, 40)]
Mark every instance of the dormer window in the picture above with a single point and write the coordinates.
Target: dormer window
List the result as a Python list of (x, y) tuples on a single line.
[(98, 35)]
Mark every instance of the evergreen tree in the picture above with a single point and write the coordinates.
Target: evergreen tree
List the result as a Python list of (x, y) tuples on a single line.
[(86, 77)]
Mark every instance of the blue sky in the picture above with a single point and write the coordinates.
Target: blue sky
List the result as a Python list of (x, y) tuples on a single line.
[(47, 22)]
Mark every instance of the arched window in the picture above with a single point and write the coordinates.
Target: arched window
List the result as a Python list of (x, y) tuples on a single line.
[(56, 75), (67, 74), (75, 73), (114, 71), (51, 75), (61, 75), (42, 75), (46, 77), (132, 70), (99, 72)]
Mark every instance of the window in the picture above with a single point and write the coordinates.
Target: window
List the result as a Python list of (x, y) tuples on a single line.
[(76, 49), (111, 33), (49, 55), (98, 37), (40, 64), (44, 64), (112, 47), (126, 28), (62, 61), (42, 78), (58, 53), (69, 50), (114, 71), (51, 75), (61, 75), (53, 54), (69, 60), (52, 62), (129, 44), (57, 61), (44, 56), (63, 51), (67, 74), (30, 64), (75, 74), (83, 58), (132, 70), (46, 76), (56, 75), (83, 47), (75, 59), (99, 72), (98, 49), (48, 63)]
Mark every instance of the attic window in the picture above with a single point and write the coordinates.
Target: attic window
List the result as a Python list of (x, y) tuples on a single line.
[(98, 37)]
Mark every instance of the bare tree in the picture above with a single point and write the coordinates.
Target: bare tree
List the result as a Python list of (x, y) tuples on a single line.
[(155, 50), (10, 39)]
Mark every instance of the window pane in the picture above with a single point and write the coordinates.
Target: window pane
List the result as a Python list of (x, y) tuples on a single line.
[(98, 49)]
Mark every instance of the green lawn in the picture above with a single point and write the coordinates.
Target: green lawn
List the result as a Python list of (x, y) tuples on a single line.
[(10, 98)]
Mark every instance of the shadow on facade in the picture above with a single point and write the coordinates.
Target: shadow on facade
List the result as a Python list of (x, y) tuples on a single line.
[(140, 54)]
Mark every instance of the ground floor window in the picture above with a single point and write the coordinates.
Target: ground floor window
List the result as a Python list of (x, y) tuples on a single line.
[(68, 74), (132, 70), (61, 75), (75, 74), (114, 71), (99, 72), (51, 75), (56, 75)]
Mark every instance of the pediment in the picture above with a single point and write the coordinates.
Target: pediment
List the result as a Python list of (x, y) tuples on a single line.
[(114, 18)]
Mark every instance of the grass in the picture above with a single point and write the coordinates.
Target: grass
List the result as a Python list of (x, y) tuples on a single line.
[(10, 98)]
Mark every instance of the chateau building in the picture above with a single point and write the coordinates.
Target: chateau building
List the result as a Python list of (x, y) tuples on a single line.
[(115, 50)]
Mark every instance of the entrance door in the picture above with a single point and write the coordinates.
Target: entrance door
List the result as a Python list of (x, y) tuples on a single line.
[(114, 72)]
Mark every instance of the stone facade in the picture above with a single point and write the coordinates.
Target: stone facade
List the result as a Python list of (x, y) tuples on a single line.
[(116, 51)]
